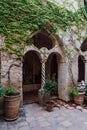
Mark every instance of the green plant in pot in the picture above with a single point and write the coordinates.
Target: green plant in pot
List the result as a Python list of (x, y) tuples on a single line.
[(1, 99), (9, 91), (44, 96), (78, 93), (49, 88), (74, 91), (11, 104)]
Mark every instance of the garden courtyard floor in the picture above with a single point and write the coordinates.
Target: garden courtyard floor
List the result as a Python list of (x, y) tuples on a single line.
[(34, 117)]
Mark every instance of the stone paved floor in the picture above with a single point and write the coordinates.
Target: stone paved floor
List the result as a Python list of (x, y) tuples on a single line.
[(34, 117)]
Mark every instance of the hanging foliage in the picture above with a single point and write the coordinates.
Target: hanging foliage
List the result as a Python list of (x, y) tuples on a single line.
[(20, 18)]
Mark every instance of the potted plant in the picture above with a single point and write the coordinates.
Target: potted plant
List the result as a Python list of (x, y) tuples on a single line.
[(49, 88), (1, 99), (11, 104), (44, 96), (78, 93), (49, 106)]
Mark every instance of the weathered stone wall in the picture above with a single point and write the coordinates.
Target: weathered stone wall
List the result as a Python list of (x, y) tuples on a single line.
[(12, 70)]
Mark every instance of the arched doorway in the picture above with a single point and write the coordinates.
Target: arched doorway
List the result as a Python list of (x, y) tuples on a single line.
[(81, 69), (31, 76), (52, 67)]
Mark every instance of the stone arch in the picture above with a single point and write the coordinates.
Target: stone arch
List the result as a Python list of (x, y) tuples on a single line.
[(83, 46), (81, 68), (52, 66), (31, 76), (33, 49)]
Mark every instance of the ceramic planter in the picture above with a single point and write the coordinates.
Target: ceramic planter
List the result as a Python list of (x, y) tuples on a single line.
[(11, 107), (49, 106), (79, 99)]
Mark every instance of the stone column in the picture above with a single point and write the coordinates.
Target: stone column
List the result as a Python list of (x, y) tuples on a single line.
[(42, 73), (85, 71), (64, 80), (44, 55), (42, 93), (41, 90)]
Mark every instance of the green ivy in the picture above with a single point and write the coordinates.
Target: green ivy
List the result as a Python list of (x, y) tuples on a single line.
[(9, 91), (20, 18)]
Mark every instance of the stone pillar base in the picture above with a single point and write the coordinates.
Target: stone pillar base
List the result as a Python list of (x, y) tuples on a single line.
[(43, 97)]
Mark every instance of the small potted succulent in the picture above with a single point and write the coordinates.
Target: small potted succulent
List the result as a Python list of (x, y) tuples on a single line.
[(1, 99), (78, 93), (11, 104)]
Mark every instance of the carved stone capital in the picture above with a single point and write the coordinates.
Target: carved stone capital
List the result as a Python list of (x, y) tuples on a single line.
[(44, 53)]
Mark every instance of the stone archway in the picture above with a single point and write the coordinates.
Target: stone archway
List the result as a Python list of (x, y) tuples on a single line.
[(81, 69), (31, 76), (52, 66), (84, 45)]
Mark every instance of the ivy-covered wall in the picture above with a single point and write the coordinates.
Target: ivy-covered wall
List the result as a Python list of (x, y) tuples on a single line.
[(20, 20)]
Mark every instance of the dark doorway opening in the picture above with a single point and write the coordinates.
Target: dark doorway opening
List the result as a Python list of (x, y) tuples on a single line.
[(52, 67), (31, 77), (81, 69)]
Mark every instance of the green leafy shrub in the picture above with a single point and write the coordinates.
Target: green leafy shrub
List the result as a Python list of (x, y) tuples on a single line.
[(9, 91), (74, 91), (1, 90), (19, 18), (50, 86)]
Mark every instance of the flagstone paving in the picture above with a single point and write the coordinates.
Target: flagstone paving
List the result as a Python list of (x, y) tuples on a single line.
[(34, 117)]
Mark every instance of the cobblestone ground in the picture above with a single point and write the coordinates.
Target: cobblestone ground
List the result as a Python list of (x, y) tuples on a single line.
[(34, 117)]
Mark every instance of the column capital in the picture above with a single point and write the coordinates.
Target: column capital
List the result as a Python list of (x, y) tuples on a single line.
[(43, 60)]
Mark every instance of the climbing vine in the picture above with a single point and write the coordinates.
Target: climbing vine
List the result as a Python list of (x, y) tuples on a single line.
[(19, 19)]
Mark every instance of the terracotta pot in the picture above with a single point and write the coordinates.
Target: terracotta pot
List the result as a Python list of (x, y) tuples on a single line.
[(49, 106), (79, 99), (1, 105), (11, 107)]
